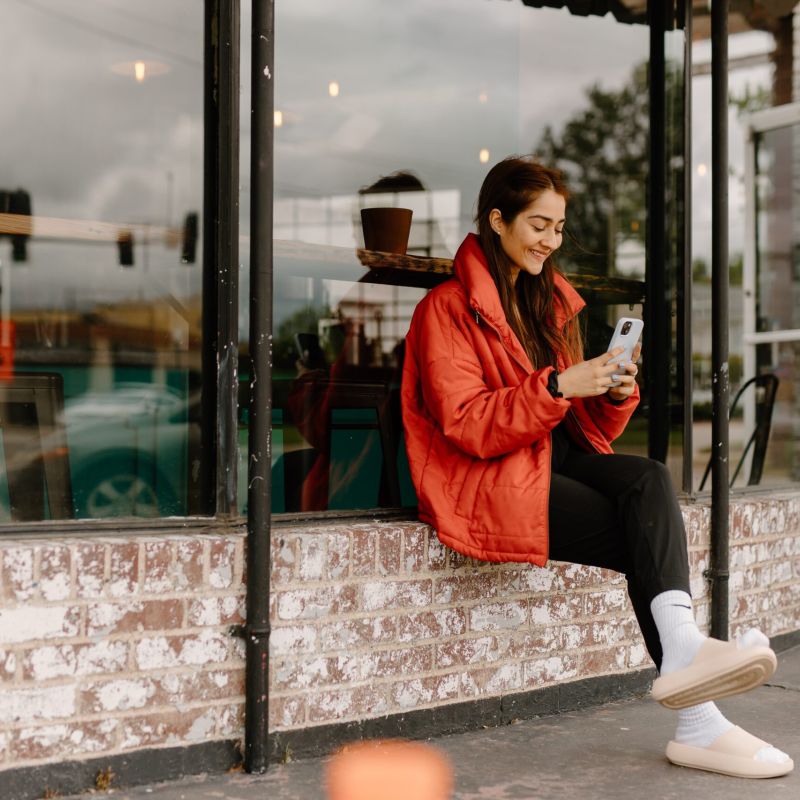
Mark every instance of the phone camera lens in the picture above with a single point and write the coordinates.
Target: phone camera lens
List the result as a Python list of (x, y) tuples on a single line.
[(626, 327)]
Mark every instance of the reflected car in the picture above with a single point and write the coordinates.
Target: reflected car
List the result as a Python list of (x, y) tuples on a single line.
[(128, 450)]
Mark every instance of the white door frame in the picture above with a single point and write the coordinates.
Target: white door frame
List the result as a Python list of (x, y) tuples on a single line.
[(755, 124)]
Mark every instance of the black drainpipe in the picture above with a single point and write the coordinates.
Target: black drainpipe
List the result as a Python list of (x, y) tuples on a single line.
[(259, 474), (720, 492)]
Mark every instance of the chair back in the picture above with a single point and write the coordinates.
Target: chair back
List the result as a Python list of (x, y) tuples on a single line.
[(766, 388)]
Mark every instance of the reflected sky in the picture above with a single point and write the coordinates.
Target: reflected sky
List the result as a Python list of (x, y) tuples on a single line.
[(90, 143), (426, 86)]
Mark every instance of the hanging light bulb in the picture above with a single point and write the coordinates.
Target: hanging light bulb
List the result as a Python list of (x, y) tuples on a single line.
[(140, 70), (333, 88), (278, 118), (483, 156)]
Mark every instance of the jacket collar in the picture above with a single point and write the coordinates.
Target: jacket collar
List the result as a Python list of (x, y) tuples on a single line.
[(472, 270)]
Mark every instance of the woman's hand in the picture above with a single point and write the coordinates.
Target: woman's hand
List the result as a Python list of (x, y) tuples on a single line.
[(627, 379), (590, 378)]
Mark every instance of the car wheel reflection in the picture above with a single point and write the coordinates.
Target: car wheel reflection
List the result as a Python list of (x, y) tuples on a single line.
[(122, 495)]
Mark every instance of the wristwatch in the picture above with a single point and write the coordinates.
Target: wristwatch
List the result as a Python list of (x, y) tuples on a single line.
[(552, 384)]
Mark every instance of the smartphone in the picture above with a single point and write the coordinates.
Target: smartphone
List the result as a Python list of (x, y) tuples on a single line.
[(626, 335)]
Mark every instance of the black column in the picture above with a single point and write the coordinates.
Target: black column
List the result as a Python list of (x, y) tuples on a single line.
[(719, 320), (259, 473), (656, 343)]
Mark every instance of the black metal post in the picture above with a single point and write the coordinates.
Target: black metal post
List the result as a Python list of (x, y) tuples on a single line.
[(719, 320), (217, 490), (259, 474), (656, 342), (685, 307)]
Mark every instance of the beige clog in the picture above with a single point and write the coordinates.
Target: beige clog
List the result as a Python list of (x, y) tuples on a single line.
[(733, 754), (719, 669)]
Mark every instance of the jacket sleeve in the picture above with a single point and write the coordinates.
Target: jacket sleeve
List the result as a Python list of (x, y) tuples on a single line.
[(481, 421), (611, 418)]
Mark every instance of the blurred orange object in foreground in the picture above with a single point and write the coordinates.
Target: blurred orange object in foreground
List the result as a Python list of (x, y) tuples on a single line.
[(389, 770)]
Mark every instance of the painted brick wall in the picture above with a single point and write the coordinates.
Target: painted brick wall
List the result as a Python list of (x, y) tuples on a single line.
[(109, 645)]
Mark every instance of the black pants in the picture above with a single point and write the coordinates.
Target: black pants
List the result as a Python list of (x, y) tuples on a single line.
[(619, 512)]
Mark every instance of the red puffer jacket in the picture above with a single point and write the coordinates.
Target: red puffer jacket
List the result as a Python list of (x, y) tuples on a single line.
[(478, 418)]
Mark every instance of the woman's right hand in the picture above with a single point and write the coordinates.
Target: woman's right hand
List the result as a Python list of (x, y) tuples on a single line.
[(589, 378)]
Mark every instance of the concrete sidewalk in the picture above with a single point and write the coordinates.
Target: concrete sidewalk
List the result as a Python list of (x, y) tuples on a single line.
[(610, 751)]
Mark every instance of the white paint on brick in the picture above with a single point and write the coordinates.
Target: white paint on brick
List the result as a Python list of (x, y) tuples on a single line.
[(202, 727), (572, 636), (91, 584), (379, 594), (56, 587), (103, 656), (155, 653), (312, 558), (221, 576), (46, 737), (28, 624), (19, 571), (121, 695), (220, 679), (497, 616), (506, 678), (53, 662), (206, 611), (103, 617), (8, 662), (541, 615), (29, 705), (638, 655), (206, 648)]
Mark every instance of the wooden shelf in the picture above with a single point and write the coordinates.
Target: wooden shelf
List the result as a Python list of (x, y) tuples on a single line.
[(406, 270)]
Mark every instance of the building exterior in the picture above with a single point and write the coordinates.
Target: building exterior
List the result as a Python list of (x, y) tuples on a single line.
[(126, 373)]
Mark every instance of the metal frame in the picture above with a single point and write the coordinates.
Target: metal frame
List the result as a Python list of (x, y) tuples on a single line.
[(685, 306), (217, 490), (656, 313), (720, 492), (755, 124)]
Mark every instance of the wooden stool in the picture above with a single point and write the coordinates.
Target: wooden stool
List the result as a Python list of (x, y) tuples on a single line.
[(389, 770)]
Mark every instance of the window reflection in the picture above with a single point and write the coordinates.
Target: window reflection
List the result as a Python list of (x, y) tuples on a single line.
[(417, 120), (99, 258)]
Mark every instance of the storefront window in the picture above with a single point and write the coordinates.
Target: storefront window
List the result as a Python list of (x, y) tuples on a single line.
[(764, 295), (101, 190), (404, 110)]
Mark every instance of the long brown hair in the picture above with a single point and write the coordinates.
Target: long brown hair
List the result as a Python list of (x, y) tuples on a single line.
[(529, 303)]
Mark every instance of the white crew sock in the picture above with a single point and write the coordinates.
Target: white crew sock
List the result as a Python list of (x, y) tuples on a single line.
[(680, 637), (700, 726)]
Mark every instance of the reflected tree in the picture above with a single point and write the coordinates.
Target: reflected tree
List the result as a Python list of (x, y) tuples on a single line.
[(603, 152)]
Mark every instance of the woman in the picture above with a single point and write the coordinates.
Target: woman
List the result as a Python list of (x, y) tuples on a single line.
[(508, 434)]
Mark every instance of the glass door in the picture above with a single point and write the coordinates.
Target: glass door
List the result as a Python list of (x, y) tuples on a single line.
[(771, 295)]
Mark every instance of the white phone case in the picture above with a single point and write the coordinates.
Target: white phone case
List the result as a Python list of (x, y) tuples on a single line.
[(627, 340)]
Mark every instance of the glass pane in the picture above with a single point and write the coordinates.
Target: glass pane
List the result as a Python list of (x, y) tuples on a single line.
[(778, 230), (400, 91), (100, 258)]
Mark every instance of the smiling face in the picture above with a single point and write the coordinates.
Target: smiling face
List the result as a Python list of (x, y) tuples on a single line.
[(534, 234)]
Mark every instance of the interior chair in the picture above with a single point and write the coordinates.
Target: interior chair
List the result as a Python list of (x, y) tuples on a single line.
[(766, 387), (337, 399)]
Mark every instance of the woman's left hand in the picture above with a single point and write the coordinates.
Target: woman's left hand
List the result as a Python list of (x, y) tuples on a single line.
[(627, 378)]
